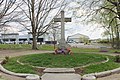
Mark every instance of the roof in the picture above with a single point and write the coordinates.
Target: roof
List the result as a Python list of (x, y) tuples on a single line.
[(10, 34), (78, 35)]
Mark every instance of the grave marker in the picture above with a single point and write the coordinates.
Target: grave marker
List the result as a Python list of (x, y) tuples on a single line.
[(62, 43)]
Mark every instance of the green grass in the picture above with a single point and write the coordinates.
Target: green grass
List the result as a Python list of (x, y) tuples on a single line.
[(15, 46), (102, 67), (47, 61), (49, 48), (13, 66), (50, 60), (46, 47), (24, 47), (82, 50)]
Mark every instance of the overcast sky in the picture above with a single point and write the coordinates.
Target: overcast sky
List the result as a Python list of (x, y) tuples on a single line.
[(76, 26), (93, 30)]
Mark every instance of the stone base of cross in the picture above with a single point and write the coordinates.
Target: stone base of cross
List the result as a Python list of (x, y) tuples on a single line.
[(63, 47)]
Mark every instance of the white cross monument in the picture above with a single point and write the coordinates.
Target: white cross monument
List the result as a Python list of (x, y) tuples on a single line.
[(62, 43)]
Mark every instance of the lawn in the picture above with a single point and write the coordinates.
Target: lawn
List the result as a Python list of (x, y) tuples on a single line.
[(49, 48), (15, 46), (24, 47), (67, 61), (102, 67), (51, 60), (79, 58), (12, 65)]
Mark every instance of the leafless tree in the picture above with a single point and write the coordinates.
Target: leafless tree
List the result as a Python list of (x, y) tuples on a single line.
[(106, 13), (7, 7), (55, 32), (37, 16)]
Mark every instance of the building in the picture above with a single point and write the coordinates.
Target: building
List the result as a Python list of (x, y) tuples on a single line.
[(15, 38), (11, 35), (78, 38), (10, 38)]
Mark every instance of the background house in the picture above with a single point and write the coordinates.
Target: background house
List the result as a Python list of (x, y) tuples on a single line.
[(78, 38)]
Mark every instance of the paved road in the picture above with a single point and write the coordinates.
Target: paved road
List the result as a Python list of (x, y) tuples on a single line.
[(92, 45)]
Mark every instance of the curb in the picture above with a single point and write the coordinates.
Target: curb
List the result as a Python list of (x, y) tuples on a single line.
[(103, 74), (12, 73), (86, 77), (33, 77)]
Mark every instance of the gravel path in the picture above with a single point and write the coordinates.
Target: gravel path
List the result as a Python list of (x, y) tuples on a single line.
[(13, 53)]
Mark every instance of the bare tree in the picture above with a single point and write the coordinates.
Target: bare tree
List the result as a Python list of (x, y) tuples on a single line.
[(106, 13), (55, 32), (7, 7), (36, 16), (112, 12)]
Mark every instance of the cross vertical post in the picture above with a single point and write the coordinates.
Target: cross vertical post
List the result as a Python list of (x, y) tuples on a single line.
[(62, 27), (62, 43)]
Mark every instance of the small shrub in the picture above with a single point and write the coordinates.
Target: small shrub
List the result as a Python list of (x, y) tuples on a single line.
[(79, 70), (5, 60), (116, 52), (117, 58)]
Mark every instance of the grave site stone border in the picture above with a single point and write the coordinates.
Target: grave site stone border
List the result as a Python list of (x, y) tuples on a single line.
[(107, 59), (91, 76)]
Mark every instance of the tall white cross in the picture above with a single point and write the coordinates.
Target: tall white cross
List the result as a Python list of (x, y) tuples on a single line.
[(62, 43)]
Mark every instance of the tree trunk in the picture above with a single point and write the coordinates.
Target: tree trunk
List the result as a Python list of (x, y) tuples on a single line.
[(54, 39), (34, 45), (112, 37), (117, 39)]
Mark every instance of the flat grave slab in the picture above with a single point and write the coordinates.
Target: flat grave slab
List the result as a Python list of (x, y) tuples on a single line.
[(59, 70), (61, 76)]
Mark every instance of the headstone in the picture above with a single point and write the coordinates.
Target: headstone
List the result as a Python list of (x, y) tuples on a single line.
[(33, 77)]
